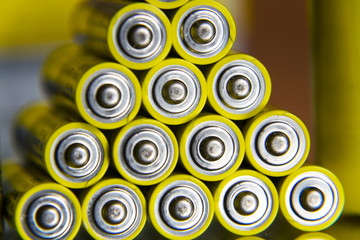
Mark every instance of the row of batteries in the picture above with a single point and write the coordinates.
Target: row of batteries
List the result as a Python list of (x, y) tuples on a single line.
[(211, 144)]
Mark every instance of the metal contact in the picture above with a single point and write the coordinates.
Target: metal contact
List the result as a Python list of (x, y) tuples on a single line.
[(278, 143), (108, 96), (48, 215), (239, 87), (115, 212), (203, 31), (311, 198), (181, 208), (212, 147), (146, 152), (245, 203), (174, 91), (139, 36), (77, 155)]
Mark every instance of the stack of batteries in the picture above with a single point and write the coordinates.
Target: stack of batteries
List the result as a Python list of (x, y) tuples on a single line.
[(149, 84)]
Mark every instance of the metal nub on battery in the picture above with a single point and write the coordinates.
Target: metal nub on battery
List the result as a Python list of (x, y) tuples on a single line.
[(145, 151), (174, 91), (277, 142), (246, 202), (239, 86), (181, 207), (139, 36), (114, 209), (167, 4), (211, 147), (311, 198), (203, 31)]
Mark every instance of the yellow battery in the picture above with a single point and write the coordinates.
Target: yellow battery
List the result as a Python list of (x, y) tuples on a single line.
[(203, 31), (37, 207), (113, 209), (166, 4), (75, 154), (246, 202), (180, 207), (311, 198), (211, 147), (145, 151), (105, 94), (276, 142), (336, 59), (315, 236), (136, 35), (239, 86), (174, 91)]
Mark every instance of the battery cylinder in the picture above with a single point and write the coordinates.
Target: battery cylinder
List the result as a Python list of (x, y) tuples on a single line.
[(37, 207), (239, 86), (136, 35), (181, 207), (203, 31), (105, 94), (174, 91), (113, 209), (145, 151), (167, 4), (211, 147), (277, 142), (74, 154), (311, 198), (246, 202)]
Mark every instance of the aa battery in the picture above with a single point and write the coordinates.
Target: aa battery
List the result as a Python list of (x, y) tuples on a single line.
[(315, 235), (167, 4), (75, 154), (136, 35), (211, 147), (39, 208), (277, 142), (238, 85), (174, 91), (181, 207), (311, 198), (145, 151), (113, 209), (246, 202), (105, 94), (203, 31)]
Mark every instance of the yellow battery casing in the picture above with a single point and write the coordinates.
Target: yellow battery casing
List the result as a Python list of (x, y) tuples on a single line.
[(315, 235), (88, 194), (275, 202), (95, 22), (167, 4), (37, 127), (184, 133), (285, 211), (22, 183), (118, 137), (154, 192), (147, 77), (211, 74), (66, 74), (175, 20), (336, 59), (248, 131)]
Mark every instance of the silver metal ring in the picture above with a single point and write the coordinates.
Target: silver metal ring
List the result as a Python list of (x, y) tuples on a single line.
[(108, 96), (145, 152), (115, 211), (49, 215), (311, 198), (203, 31), (278, 143), (239, 87), (174, 91), (139, 35), (245, 202), (77, 155), (181, 208), (212, 147)]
